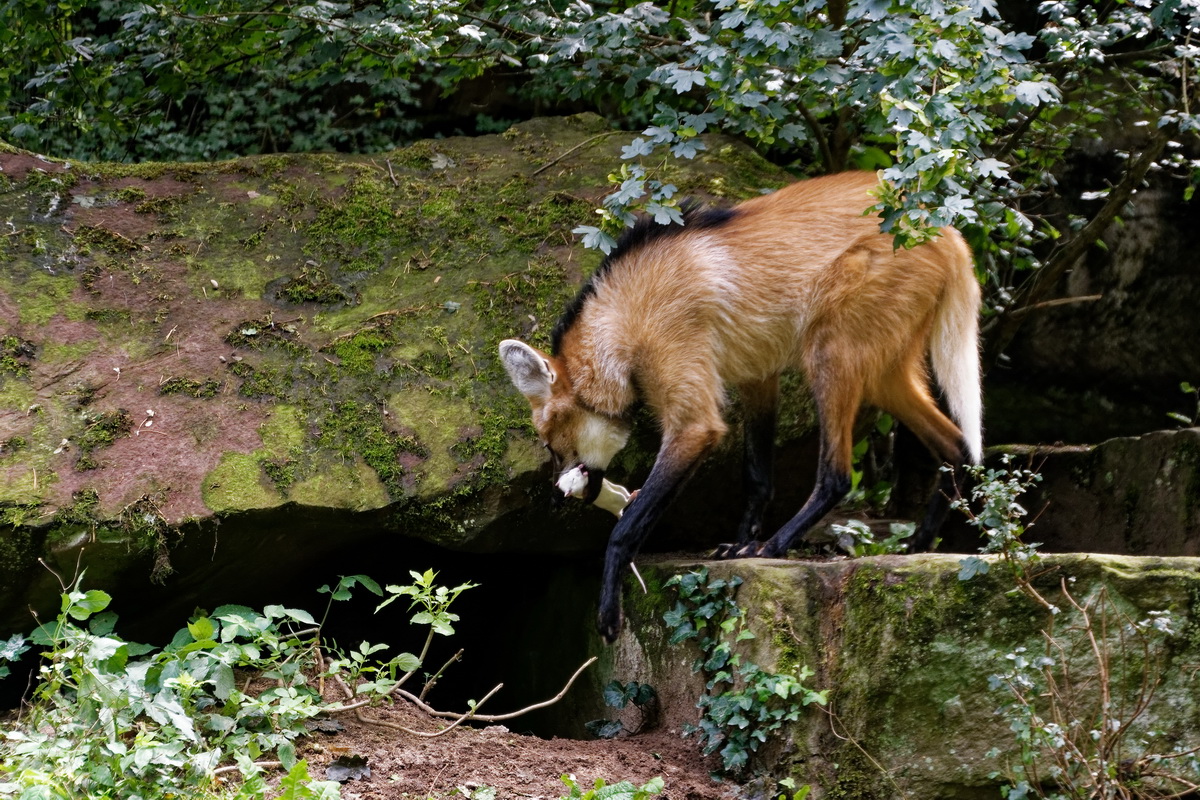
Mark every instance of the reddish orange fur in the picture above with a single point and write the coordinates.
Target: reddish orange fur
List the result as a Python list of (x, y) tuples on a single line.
[(804, 252), (797, 279)]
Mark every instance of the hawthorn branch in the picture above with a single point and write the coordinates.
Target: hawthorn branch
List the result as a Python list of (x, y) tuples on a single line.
[(1068, 255)]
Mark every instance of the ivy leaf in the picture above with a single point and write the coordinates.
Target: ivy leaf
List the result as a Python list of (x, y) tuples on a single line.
[(604, 728)]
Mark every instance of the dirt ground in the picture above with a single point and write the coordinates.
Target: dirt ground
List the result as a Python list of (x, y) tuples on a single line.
[(517, 766)]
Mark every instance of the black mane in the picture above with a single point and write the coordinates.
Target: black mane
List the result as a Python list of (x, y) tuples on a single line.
[(643, 232)]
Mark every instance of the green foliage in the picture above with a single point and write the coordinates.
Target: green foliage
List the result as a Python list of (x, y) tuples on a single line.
[(857, 539), (617, 791), (968, 116), (743, 704), (11, 650), (620, 695), (1079, 708), (112, 718), (871, 467), (116, 718), (431, 600), (798, 793)]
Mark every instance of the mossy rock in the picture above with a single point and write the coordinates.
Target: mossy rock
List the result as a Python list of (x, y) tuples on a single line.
[(277, 334), (908, 653)]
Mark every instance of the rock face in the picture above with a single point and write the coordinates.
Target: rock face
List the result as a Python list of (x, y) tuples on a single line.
[(1135, 495), (1110, 361), (270, 341), (906, 651)]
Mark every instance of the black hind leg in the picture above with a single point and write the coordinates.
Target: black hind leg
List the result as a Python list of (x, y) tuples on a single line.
[(948, 488), (761, 404)]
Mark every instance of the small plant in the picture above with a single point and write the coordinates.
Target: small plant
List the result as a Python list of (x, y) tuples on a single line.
[(857, 539), (789, 784), (619, 696), (995, 493), (743, 704), (1193, 393), (1081, 710), (111, 718), (617, 791), (872, 471)]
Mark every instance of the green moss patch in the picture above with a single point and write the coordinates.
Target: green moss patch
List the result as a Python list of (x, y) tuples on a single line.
[(190, 387), (15, 356), (238, 483), (312, 285), (350, 484)]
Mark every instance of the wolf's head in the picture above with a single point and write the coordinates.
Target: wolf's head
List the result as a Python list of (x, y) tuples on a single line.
[(574, 434)]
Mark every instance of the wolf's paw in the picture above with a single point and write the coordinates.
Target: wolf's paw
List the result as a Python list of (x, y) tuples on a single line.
[(739, 550)]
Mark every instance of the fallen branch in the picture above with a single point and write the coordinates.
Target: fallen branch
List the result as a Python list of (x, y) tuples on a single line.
[(582, 144), (461, 718), (497, 717)]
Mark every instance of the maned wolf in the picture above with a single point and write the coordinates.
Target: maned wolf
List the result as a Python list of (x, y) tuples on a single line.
[(799, 278)]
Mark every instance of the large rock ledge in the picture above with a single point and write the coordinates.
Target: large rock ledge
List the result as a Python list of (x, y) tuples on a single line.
[(278, 339), (906, 650)]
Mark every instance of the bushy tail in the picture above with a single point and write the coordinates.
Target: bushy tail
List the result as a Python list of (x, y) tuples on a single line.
[(954, 354)]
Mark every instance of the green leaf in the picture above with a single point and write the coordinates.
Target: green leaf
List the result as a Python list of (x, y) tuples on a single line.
[(407, 662), (224, 681), (103, 623), (83, 605), (202, 629), (971, 566), (287, 755)]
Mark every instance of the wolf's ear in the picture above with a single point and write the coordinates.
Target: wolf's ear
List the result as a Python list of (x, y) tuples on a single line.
[(529, 369)]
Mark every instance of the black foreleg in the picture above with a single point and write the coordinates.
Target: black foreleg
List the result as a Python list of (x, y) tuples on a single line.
[(676, 463)]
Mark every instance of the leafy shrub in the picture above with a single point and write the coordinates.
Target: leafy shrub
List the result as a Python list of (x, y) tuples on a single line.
[(111, 718)]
